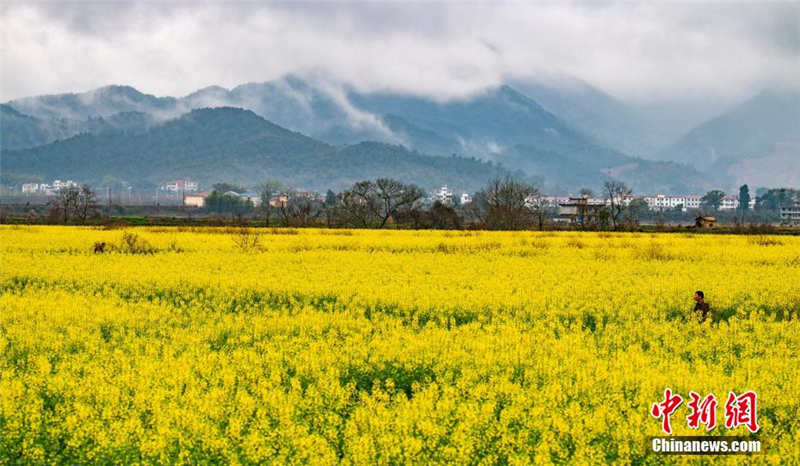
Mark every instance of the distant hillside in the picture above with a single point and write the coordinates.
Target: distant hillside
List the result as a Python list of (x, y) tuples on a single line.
[(757, 141), (101, 102), (509, 127), (597, 114), (18, 131), (227, 144), (500, 125)]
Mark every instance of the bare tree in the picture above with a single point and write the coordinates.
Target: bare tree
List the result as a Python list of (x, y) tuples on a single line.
[(266, 191), (582, 209), (413, 211), (542, 211), (332, 210), (301, 211), (66, 201), (371, 203), (85, 204), (637, 209), (504, 204), (393, 195), (355, 208), (444, 217), (618, 196)]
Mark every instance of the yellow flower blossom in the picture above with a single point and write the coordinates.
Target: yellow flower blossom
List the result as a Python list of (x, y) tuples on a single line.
[(386, 347)]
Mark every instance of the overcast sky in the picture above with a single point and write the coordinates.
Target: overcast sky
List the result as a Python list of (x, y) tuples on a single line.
[(634, 51)]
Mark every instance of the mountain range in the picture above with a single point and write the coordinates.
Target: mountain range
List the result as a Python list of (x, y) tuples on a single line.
[(566, 137), (235, 145), (757, 142), (20, 131), (599, 115)]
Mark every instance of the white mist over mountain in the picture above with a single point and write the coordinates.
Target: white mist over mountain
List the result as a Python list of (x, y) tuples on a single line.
[(651, 52)]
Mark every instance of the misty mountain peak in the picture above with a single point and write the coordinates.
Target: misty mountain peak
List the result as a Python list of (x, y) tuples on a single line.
[(532, 138), (118, 90)]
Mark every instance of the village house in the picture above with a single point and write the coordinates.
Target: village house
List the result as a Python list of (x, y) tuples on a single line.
[(790, 215), (663, 202), (693, 201), (465, 198), (704, 221), (729, 203), (282, 199), (58, 184), (47, 189), (677, 203), (29, 188), (580, 211), (279, 200), (306, 194), (187, 186), (658, 202), (555, 201), (443, 195), (195, 200), (254, 198)]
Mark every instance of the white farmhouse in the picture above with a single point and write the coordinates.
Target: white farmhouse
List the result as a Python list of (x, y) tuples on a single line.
[(729, 203), (188, 186), (28, 188), (58, 184), (195, 200), (253, 197), (668, 202), (693, 201), (790, 215), (443, 195)]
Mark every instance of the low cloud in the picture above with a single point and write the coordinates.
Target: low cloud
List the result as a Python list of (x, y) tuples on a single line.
[(646, 52)]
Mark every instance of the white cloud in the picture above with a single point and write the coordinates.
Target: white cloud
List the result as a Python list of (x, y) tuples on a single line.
[(638, 52)]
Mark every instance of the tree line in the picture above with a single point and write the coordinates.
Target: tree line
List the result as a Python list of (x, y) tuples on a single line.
[(504, 203)]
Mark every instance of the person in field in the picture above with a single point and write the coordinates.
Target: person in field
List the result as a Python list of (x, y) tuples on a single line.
[(701, 308)]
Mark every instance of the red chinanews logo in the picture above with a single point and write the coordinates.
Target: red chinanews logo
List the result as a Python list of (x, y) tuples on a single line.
[(739, 410)]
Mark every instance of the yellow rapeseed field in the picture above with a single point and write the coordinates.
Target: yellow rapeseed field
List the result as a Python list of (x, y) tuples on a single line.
[(386, 347)]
